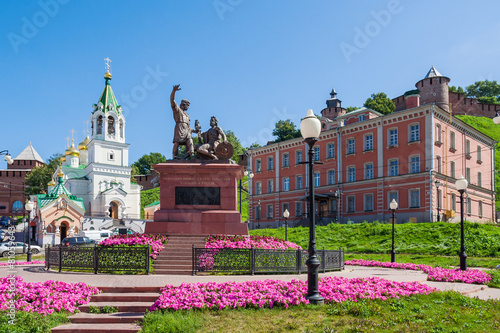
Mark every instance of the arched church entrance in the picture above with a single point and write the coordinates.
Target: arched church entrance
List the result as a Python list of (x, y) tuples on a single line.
[(63, 230), (113, 210)]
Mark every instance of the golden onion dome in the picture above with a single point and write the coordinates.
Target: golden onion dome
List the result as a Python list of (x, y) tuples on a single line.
[(51, 183), (63, 159), (72, 151), (83, 145)]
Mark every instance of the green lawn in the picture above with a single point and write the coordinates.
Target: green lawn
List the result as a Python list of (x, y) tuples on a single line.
[(437, 312)]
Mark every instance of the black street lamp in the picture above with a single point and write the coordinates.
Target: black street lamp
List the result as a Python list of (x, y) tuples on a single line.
[(310, 128), (438, 203), (393, 206), (286, 214), (259, 210), (29, 207), (461, 185), (250, 175)]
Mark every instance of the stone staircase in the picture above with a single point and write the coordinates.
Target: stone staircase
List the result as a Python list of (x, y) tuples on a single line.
[(131, 302), (177, 256)]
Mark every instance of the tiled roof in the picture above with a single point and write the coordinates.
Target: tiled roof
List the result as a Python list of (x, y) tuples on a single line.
[(56, 192), (29, 154), (433, 72)]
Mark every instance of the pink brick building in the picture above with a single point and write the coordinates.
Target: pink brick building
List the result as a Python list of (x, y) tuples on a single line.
[(370, 159)]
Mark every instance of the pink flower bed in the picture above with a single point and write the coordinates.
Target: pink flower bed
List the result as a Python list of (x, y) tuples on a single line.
[(44, 298), (156, 242), (455, 275), (434, 273), (271, 293), (6, 263), (245, 242)]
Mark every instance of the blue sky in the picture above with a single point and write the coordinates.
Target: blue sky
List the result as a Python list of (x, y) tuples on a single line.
[(250, 63)]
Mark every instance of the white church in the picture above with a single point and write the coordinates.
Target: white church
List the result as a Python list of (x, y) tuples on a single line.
[(98, 169)]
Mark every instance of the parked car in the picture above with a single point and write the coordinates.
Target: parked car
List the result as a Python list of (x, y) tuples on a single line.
[(77, 241), (5, 221), (18, 248)]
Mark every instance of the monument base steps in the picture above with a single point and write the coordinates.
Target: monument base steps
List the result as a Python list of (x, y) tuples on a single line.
[(131, 302), (177, 256)]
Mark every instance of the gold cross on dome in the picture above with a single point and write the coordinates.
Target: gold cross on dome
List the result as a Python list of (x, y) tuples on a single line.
[(67, 141), (87, 122), (72, 134), (107, 65)]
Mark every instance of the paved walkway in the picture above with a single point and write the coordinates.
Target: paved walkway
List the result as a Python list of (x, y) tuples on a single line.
[(37, 273)]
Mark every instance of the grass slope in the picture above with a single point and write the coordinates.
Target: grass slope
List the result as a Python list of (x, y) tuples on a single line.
[(487, 127), (438, 238)]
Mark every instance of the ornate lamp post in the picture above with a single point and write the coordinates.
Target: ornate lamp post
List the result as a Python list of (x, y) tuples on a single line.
[(7, 157), (438, 203), (496, 118), (286, 214), (393, 206), (461, 185), (29, 207), (250, 175), (310, 128)]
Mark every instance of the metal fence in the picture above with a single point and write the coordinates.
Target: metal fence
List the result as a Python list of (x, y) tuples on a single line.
[(103, 259), (260, 261)]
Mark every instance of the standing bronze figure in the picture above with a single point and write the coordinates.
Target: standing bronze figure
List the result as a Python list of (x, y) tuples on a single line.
[(183, 130)]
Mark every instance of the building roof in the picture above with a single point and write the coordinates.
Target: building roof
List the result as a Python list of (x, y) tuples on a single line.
[(433, 72), (56, 192), (153, 204), (108, 98), (29, 154)]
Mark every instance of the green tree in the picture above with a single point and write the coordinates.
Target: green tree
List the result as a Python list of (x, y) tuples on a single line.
[(143, 164), (285, 130), (254, 145), (456, 89), (351, 108), (380, 103), (487, 92), (37, 180), (238, 148)]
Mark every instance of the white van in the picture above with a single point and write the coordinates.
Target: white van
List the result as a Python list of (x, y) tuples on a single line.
[(97, 235)]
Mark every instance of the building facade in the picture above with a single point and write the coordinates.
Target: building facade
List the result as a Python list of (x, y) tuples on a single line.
[(369, 159), (58, 214), (12, 197)]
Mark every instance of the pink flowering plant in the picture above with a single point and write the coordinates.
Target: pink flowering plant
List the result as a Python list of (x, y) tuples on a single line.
[(17, 263), (275, 293), (247, 242), (224, 260), (43, 297), (434, 273), (156, 242)]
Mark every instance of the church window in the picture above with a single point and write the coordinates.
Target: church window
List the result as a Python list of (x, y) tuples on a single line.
[(99, 125), (111, 125), (121, 129)]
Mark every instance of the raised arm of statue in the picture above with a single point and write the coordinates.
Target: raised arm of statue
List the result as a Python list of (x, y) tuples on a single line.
[(177, 87)]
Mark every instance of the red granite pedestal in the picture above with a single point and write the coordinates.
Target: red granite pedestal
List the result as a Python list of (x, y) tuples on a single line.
[(198, 199)]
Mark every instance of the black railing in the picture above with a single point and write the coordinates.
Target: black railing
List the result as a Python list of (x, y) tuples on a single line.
[(103, 259), (260, 261)]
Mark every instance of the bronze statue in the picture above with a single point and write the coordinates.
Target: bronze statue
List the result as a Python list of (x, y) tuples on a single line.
[(183, 130), (211, 139)]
